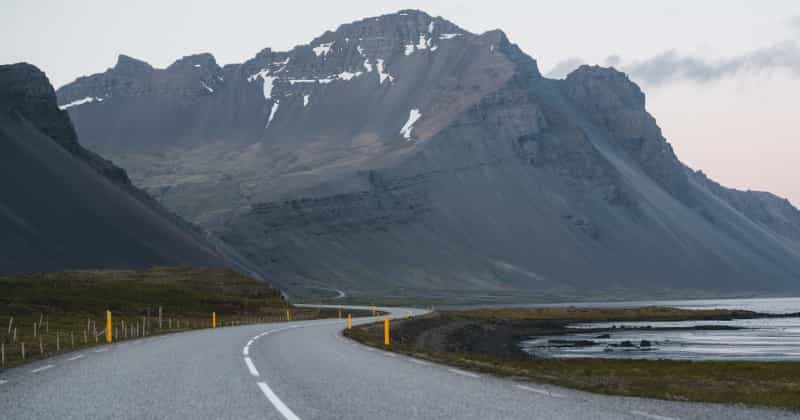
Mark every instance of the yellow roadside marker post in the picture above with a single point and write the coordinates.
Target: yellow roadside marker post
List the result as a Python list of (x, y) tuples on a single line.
[(340, 314), (349, 322), (373, 310), (386, 331), (213, 320), (109, 333), (288, 315)]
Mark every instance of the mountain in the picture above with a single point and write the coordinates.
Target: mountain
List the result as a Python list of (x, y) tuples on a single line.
[(403, 155), (65, 207)]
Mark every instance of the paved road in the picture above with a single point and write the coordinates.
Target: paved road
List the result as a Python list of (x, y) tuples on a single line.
[(298, 370)]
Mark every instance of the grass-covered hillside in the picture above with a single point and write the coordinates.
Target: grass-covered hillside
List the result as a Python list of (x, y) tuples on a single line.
[(56, 312)]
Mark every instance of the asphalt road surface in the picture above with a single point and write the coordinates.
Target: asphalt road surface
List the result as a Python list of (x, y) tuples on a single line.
[(299, 370)]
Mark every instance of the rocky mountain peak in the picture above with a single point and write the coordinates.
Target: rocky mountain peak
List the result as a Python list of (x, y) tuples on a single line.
[(193, 62), (605, 87), (26, 92), (131, 66)]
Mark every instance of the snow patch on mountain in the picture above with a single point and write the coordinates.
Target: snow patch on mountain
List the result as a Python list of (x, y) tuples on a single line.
[(448, 36), (346, 75), (86, 100), (423, 43), (263, 74), (272, 112), (207, 87), (323, 49), (382, 73), (306, 98), (413, 116)]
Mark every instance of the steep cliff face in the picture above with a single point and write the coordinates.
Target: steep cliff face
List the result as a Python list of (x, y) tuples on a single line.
[(64, 207), (404, 155)]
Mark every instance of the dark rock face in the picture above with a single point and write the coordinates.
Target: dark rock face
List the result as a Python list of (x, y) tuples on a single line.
[(64, 207), (25, 92), (615, 103), (403, 154)]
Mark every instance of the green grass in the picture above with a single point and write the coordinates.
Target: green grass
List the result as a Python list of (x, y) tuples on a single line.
[(68, 308), (775, 384)]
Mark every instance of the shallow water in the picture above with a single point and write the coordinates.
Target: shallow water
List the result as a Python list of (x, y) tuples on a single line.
[(755, 339)]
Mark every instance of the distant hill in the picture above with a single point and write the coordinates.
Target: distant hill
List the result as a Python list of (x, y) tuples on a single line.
[(404, 155), (65, 207)]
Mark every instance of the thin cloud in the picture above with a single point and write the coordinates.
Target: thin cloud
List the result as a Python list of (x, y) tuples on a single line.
[(794, 23), (672, 66), (565, 67)]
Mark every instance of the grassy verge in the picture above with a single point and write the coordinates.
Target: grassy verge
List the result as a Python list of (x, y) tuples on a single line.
[(58, 312), (451, 338)]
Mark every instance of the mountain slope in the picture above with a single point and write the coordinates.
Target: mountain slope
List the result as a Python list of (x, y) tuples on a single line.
[(64, 207), (404, 155)]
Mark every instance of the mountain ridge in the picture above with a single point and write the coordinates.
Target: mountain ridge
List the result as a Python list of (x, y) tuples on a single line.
[(65, 207), (452, 165)]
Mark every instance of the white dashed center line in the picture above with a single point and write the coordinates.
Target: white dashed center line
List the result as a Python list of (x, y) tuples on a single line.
[(464, 373), (652, 416), (37, 370), (75, 357), (279, 405), (250, 366)]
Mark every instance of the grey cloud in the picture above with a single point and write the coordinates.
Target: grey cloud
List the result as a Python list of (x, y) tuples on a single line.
[(613, 60), (564, 67), (794, 22), (671, 65)]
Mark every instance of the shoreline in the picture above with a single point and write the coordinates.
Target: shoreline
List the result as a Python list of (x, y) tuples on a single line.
[(487, 341)]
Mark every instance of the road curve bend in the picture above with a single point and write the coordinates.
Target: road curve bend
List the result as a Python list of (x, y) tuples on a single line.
[(300, 370)]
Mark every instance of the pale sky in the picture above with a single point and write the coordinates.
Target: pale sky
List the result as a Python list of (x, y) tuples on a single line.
[(722, 77)]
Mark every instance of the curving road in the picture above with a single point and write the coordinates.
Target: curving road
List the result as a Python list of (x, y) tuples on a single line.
[(299, 370)]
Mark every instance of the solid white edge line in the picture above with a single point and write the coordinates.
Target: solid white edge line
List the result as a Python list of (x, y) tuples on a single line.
[(540, 391), (100, 350), (420, 362), (3, 381), (279, 405), (246, 351), (651, 416), (75, 357), (464, 373), (250, 366), (37, 370)]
